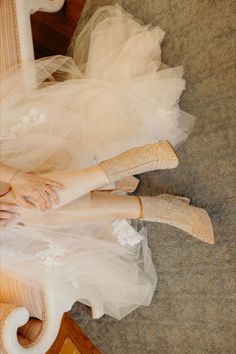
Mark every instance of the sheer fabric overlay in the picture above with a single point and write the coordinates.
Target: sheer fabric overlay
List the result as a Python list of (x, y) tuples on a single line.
[(62, 113)]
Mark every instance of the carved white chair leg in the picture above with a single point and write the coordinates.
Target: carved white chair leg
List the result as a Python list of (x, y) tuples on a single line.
[(24, 8)]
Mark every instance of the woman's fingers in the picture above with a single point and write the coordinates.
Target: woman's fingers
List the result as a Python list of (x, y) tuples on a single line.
[(8, 207), (29, 202), (34, 191), (46, 198), (8, 215), (23, 202), (34, 198), (54, 184), (45, 194), (52, 194), (39, 195), (37, 200)]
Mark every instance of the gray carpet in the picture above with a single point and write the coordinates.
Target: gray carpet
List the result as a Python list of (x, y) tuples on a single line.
[(193, 310)]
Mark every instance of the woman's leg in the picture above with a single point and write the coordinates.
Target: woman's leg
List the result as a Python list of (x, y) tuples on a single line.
[(164, 208), (105, 206), (102, 206), (134, 161)]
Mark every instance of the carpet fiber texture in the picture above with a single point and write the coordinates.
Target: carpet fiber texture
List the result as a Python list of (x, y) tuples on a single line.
[(193, 310)]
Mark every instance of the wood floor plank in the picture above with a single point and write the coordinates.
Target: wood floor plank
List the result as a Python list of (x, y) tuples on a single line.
[(71, 337)]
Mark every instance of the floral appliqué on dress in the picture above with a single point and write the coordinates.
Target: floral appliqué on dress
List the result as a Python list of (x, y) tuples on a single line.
[(51, 257), (26, 122), (125, 233)]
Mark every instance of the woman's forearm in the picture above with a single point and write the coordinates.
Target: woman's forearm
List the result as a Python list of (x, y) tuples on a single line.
[(76, 184)]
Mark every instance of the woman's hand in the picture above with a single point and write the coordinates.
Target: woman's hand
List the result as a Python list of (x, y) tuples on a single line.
[(7, 211), (31, 190), (7, 214)]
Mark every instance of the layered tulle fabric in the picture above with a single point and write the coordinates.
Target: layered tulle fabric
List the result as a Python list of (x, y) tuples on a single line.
[(60, 113)]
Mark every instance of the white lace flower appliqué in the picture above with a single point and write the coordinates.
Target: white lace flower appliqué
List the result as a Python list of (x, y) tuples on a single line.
[(51, 257), (33, 117), (125, 233)]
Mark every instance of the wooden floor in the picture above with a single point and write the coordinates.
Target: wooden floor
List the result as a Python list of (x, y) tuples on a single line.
[(52, 31), (72, 340)]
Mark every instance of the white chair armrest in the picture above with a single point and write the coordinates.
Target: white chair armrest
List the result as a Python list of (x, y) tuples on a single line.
[(13, 317), (24, 8), (46, 5)]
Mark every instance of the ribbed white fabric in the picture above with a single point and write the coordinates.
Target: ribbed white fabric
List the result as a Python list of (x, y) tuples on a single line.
[(9, 41), (14, 290)]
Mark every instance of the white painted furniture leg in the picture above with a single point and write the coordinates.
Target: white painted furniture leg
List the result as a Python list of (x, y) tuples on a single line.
[(24, 8)]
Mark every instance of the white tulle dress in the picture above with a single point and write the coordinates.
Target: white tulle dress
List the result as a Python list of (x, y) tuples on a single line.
[(60, 113)]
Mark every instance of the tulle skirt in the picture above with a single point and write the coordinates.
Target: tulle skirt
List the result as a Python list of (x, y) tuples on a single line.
[(60, 113)]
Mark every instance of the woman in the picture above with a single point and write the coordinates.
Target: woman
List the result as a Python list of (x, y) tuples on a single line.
[(89, 124)]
